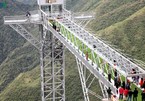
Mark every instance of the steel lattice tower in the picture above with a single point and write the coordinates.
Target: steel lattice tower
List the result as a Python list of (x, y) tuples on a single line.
[(52, 67), (94, 57)]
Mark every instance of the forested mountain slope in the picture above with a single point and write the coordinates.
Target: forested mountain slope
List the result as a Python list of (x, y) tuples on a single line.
[(9, 41), (128, 35), (119, 22), (19, 63)]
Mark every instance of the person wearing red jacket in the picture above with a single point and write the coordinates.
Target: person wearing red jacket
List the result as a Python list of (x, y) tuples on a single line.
[(120, 90), (125, 92), (141, 82)]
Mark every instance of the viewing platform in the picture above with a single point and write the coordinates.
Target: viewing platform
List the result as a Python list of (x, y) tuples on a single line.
[(34, 17), (22, 19)]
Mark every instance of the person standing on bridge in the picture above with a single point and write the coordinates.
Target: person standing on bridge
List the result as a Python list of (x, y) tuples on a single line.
[(120, 90), (116, 82), (127, 85), (129, 95), (54, 25), (28, 14), (87, 56), (58, 29), (133, 72), (125, 92), (123, 84), (137, 79), (119, 81), (109, 77), (141, 83), (135, 94), (115, 72), (143, 95), (115, 64), (109, 92)]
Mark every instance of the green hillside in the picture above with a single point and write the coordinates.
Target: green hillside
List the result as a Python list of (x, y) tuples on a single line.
[(114, 24), (25, 87), (118, 22), (20, 60), (128, 35), (9, 43)]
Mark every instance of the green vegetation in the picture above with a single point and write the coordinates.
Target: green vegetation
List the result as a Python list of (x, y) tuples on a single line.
[(119, 22), (26, 85), (20, 60), (128, 35)]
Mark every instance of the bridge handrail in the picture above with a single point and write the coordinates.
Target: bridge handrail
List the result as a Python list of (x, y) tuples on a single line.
[(21, 17), (80, 57), (108, 53), (83, 41), (121, 61)]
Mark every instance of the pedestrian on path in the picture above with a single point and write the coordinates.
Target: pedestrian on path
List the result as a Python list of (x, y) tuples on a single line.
[(123, 84), (141, 82), (143, 86), (135, 94), (143, 95), (130, 95), (87, 56), (109, 77), (125, 92), (120, 90), (28, 14), (109, 93), (115, 72)]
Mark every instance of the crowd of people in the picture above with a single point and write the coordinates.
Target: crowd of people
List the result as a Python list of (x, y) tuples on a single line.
[(124, 87)]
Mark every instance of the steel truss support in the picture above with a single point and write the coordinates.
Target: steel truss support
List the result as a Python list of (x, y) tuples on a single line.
[(26, 34), (103, 89), (82, 78), (52, 67), (86, 81)]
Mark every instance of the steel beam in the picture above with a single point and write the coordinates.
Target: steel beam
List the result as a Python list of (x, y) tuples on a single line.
[(83, 79), (26, 34)]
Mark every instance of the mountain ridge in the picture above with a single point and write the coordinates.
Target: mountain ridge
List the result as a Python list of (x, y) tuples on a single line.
[(20, 53)]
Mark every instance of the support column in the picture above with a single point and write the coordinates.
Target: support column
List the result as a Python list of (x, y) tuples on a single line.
[(87, 80), (103, 89), (42, 62), (82, 78), (52, 67), (26, 34)]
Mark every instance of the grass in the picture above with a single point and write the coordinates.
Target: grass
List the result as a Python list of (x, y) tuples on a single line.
[(128, 35), (28, 82)]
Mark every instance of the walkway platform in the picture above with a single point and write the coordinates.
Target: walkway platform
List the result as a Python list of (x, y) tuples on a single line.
[(22, 19)]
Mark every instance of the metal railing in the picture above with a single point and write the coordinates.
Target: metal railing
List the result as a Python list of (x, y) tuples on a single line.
[(103, 50), (83, 60), (11, 18), (33, 18)]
